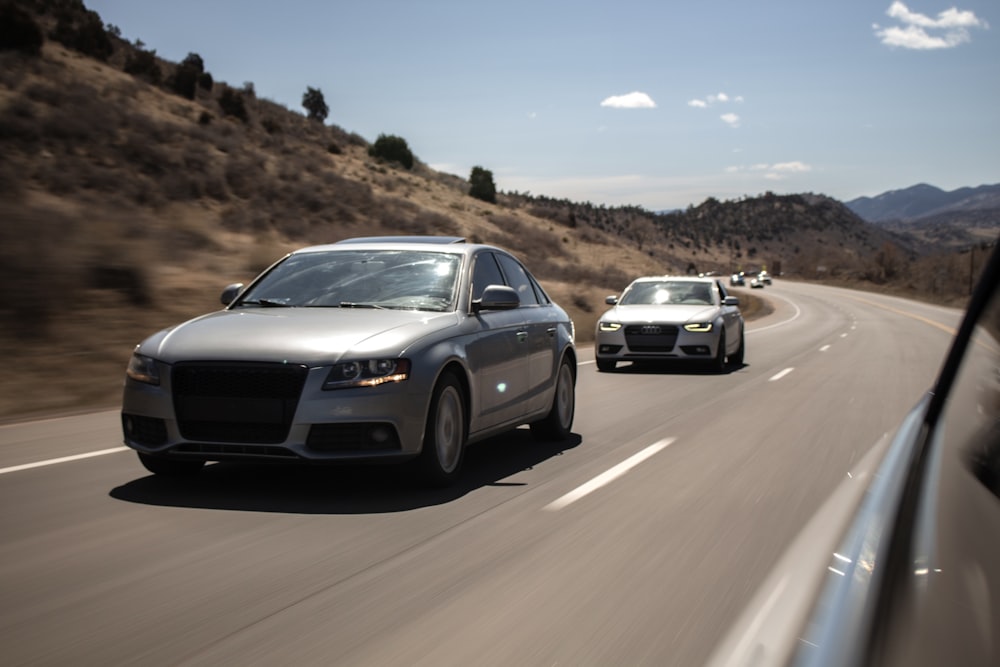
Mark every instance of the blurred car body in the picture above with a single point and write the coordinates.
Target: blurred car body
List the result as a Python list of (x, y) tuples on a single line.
[(366, 350), (901, 567), (671, 318), (756, 283), (737, 280)]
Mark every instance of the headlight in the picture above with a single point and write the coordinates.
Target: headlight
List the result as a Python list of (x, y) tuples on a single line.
[(609, 326), (698, 328), (367, 373), (143, 369)]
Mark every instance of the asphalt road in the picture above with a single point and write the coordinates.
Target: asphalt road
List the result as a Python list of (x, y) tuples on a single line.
[(638, 542)]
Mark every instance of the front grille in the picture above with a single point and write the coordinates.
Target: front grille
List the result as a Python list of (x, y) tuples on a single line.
[(651, 337), (347, 437), (236, 402)]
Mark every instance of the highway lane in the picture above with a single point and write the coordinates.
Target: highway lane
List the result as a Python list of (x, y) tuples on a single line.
[(103, 564)]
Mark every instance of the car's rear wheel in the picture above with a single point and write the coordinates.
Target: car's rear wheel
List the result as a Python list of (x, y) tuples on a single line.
[(719, 363), (444, 437), (160, 465), (558, 424), (606, 365)]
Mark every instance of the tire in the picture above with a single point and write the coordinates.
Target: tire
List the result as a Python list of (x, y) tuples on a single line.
[(606, 365), (719, 363), (443, 453), (161, 465), (737, 359), (558, 424)]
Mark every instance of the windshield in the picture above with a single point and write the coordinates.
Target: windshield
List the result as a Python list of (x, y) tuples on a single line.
[(664, 292), (398, 279)]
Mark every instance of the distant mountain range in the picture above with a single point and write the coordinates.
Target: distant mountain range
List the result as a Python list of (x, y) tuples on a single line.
[(922, 201)]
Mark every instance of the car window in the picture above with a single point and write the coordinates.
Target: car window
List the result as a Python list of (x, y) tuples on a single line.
[(484, 273), (519, 279), (662, 292), (411, 280)]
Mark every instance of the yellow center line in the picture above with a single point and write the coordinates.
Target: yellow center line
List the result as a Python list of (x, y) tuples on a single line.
[(925, 320)]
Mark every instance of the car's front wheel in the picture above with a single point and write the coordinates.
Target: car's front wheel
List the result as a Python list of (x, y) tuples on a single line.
[(160, 465), (737, 359), (558, 424), (444, 436), (719, 363)]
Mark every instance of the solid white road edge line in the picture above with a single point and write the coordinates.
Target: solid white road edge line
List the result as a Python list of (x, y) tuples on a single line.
[(608, 476), (64, 459), (778, 376)]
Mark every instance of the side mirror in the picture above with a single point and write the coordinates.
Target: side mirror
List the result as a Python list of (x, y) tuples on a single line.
[(611, 300), (731, 301), (230, 293), (497, 297)]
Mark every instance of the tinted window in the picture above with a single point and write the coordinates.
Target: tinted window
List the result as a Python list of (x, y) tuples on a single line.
[(486, 272), (519, 279)]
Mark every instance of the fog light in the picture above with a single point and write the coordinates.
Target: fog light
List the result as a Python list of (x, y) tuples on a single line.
[(379, 435)]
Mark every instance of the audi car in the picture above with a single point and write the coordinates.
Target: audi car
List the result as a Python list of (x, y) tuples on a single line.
[(367, 350), (671, 318)]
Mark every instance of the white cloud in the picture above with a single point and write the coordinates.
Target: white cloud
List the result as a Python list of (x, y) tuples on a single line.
[(634, 100), (921, 32), (778, 171), (718, 98), (730, 119)]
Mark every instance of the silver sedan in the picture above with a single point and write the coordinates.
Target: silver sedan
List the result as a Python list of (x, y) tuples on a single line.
[(671, 318), (365, 350)]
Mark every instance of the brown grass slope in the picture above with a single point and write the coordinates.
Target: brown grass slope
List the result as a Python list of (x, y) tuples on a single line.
[(125, 208)]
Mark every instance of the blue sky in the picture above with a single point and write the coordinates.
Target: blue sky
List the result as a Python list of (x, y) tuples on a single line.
[(658, 104)]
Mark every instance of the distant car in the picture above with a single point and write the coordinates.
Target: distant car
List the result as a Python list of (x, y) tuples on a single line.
[(756, 283), (378, 350), (666, 318), (764, 277), (737, 280)]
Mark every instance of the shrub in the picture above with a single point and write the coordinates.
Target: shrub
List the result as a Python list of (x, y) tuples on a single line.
[(231, 103), (86, 35), (19, 32), (314, 103), (393, 149), (481, 185), (205, 81), (143, 64), (184, 82)]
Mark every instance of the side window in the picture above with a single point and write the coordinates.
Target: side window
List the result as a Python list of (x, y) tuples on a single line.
[(519, 279), (486, 272)]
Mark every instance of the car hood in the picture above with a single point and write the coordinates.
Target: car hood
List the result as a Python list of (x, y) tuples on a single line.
[(312, 336), (667, 313)]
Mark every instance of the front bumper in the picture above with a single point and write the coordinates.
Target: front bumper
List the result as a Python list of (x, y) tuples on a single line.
[(382, 423), (660, 342)]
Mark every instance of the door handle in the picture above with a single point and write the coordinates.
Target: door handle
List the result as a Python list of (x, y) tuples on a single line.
[(551, 331), (522, 336)]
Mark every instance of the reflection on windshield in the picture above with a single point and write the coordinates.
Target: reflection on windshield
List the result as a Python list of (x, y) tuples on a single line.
[(407, 279), (668, 292)]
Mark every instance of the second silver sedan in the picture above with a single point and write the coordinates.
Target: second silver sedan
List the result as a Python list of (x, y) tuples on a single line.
[(671, 318)]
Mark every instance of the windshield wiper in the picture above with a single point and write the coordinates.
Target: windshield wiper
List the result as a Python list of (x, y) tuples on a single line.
[(353, 304), (268, 303)]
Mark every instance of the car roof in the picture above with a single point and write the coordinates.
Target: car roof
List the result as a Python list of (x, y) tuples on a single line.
[(693, 279), (444, 240)]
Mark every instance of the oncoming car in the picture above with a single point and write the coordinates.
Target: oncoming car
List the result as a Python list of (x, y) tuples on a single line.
[(671, 318), (367, 350)]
